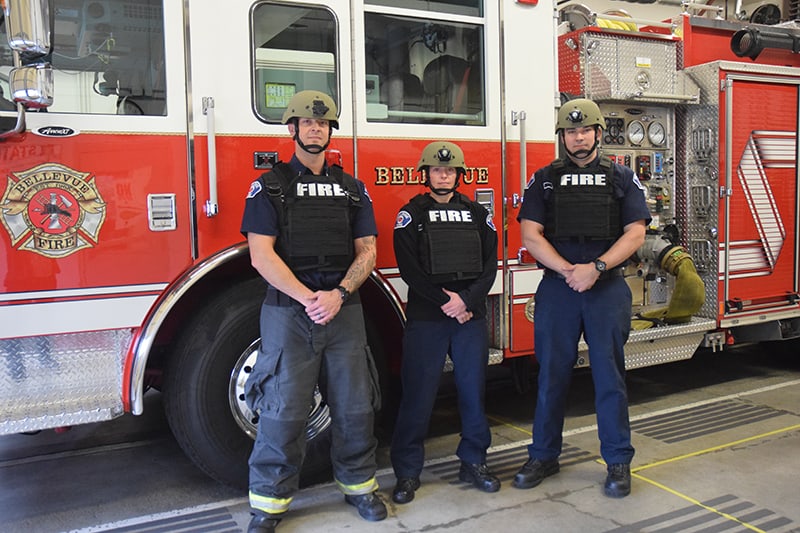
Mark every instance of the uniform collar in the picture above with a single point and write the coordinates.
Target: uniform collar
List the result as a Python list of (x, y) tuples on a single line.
[(594, 164), (300, 169)]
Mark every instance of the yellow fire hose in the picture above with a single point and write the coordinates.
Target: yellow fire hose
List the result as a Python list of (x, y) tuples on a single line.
[(687, 298)]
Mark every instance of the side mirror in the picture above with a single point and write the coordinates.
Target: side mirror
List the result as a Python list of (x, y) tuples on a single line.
[(28, 26), (32, 85)]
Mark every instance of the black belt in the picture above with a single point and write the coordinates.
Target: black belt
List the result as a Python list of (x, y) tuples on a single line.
[(608, 274), (277, 298)]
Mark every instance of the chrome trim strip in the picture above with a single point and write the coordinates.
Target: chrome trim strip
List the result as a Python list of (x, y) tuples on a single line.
[(144, 343)]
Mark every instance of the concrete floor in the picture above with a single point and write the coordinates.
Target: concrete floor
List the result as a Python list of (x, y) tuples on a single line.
[(719, 454)]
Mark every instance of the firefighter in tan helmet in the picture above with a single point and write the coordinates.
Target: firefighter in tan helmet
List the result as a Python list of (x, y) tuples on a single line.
[(311, 230), (446, 249), (582, 217), (311, 105)]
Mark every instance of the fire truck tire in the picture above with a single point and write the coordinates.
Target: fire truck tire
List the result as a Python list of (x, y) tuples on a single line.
[(201, 389)]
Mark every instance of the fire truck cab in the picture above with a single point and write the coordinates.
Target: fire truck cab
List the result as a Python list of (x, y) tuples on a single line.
[(130, 132)]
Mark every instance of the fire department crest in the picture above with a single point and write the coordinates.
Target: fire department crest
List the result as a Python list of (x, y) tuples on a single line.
[(52, 210)]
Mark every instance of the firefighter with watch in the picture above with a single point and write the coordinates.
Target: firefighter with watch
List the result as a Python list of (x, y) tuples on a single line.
[(311, 231), (582, 217), (446, 249)]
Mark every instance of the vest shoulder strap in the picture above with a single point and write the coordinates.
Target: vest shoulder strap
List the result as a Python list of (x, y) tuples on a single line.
[(421, 202), (608, 165), (277, 179), (345, 180), (336, 172)]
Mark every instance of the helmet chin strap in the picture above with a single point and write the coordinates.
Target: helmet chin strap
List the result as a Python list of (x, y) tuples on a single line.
[(313, 149), (444, 192), (584, 153)]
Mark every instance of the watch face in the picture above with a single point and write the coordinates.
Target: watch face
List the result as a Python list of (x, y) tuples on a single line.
[(599, 265)]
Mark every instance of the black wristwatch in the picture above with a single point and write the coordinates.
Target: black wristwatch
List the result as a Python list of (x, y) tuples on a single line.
[(344, 293), (600, 265)]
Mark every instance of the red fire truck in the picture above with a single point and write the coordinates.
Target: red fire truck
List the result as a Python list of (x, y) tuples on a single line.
[(126, 151)]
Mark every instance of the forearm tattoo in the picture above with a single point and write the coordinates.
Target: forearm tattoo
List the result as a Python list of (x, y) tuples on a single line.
[(362, 265)]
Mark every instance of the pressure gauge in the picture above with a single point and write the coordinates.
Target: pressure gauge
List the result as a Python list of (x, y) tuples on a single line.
[(636, 132), (656, 133)]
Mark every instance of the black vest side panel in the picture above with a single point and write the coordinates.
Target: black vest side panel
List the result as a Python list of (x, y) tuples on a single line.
[(450, 241)]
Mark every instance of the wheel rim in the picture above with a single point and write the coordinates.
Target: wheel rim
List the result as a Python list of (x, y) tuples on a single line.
[(319, 417)]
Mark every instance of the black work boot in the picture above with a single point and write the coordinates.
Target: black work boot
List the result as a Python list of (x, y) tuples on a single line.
[(404, 489), (479, 476), (262, 524), (369, 506), (534, 471), (618, 481)]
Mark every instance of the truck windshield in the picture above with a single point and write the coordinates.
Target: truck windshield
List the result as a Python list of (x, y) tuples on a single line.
[(108, 58), (294, 48), (425, 69)]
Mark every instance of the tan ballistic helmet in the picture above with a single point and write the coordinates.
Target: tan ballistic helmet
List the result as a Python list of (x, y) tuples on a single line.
[(442, 154), (579, 113), (312, 104)]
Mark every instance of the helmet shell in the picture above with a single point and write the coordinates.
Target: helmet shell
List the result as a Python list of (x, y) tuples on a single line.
[(442, 154), (312, 104), (579, 113)]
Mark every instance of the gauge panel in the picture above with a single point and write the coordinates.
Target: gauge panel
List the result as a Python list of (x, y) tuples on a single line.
[(613, 131), (656, 133), (635, 132)]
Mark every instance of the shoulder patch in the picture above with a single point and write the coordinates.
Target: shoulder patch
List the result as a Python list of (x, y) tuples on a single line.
[(255, 188), (366, 192), (637, 182), (403, 220), (490, 222)]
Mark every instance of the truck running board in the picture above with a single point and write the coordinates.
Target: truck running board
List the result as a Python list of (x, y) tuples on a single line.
[(658, 345)]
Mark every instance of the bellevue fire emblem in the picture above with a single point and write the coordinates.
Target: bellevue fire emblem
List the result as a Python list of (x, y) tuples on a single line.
[(52, 210)]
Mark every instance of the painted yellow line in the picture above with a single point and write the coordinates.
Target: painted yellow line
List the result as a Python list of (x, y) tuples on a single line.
[(716, 448), (697, 503), (512, 426), (635, 472)]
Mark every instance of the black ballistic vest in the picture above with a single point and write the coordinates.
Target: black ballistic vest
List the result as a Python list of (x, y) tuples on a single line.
[(582, 204), (450, 241), (316, 215)]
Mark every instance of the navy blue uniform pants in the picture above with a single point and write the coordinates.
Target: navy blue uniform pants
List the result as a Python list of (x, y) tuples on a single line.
[(295, 356), (425, 347), (603, 315)]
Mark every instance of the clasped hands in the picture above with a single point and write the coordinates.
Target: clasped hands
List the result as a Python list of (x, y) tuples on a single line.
[(323, 306), (580, 277), (456, 308)]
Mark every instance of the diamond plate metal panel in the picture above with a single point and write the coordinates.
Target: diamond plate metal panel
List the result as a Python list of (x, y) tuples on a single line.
[(61, 380), (658, 345), (620, 67), (699, 164)]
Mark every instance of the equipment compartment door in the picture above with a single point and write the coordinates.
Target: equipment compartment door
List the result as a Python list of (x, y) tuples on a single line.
[(758, 255), (96, 199)]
